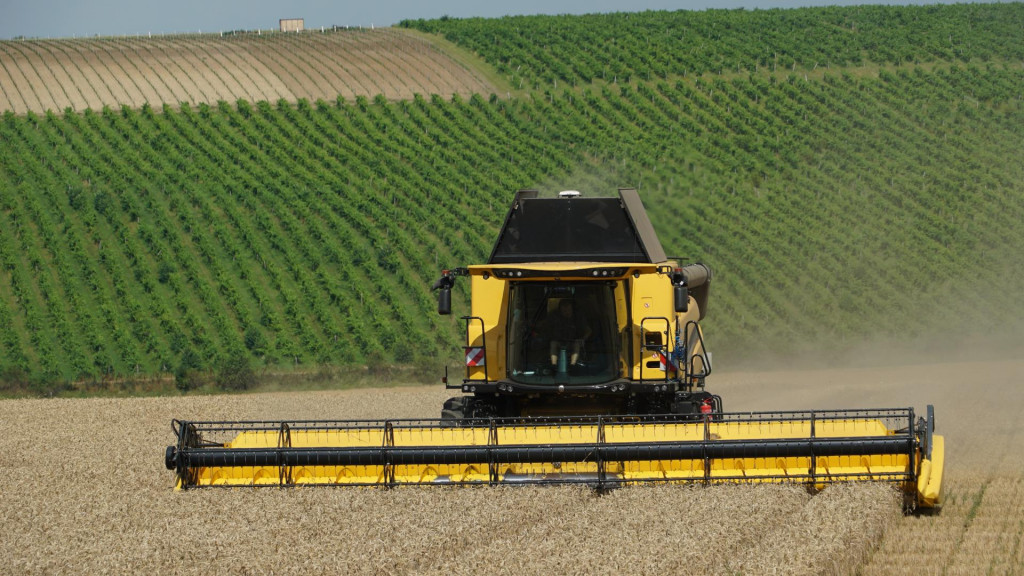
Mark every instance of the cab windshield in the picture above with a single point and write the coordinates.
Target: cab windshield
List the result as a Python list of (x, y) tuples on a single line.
[(563, 333)]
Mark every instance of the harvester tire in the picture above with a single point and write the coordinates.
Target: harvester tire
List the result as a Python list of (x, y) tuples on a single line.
[(456, 408)]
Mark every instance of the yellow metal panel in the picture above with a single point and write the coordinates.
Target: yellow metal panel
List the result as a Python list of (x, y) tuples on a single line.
[(652, 298), (489, 302), (929, 480)]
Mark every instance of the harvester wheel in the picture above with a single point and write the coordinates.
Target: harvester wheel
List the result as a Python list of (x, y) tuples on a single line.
[(456, 408)]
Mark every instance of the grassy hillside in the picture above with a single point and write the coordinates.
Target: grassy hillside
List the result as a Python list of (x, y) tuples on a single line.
[(834, 205)]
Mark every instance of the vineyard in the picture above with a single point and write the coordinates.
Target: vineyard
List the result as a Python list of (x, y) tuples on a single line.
[(543, 51), (78, 74), (836, 203)]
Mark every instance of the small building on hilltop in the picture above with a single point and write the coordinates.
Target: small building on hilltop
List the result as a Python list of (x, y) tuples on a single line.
[(292, 24)]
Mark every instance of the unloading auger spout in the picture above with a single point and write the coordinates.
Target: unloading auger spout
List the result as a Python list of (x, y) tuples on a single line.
[(585, 363)]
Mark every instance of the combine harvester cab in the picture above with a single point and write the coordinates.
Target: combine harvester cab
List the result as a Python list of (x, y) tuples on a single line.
[(585, 363)]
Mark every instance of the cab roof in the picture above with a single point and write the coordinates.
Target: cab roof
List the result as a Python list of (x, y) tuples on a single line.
[(577, 229)]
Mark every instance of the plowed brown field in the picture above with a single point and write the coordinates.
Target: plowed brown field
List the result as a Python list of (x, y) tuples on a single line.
[(40, 75), (83, 489)]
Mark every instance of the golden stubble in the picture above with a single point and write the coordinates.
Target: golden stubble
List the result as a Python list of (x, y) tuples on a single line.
[(83, 489)]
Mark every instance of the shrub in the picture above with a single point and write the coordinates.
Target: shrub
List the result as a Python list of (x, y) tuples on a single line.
[(14, 379), (255, 341), (187, 375), (235, 373)]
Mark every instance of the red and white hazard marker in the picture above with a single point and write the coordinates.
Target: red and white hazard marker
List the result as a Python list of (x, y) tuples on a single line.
[(665, 364), (475, 356)]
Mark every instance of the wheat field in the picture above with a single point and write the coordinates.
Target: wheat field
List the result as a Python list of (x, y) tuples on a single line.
[(83, 489)]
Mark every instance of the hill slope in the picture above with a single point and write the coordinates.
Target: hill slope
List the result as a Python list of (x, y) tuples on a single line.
[(41, 75), (835, 206), (543, 51)]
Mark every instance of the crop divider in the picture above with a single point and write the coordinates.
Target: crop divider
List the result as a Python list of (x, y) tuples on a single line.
[(284, 440), (492, 443), (387, 454)]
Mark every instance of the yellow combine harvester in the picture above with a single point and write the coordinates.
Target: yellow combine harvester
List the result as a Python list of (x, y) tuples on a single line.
[(585, 363)]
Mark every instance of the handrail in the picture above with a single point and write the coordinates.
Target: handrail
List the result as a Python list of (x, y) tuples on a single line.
[(662, 349), (705, 365), (483, 341)]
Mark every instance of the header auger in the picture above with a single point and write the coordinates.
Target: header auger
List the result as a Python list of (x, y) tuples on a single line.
[(584, 363)]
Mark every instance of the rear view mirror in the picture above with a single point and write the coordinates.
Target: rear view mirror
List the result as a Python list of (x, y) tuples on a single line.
[(682, 298), (444, 297), (444, 301)]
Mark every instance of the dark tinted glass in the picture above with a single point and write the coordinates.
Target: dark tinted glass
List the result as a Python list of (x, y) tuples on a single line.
[(579, 229), (560, 333)]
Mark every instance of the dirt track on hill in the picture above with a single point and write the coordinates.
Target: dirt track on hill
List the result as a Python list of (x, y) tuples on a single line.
[(84, 490)]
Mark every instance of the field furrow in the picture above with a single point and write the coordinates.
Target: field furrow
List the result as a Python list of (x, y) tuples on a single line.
[(122, 88), (82, 76), (126, 74), (254, 77), (153, 64), (323, 53), (447, 74), (91, 73), (302, 61), (226, 78), (26, 91), (51, 90), (13, 100), (180, 68), (84, 56), (62, 76), (133, 69)]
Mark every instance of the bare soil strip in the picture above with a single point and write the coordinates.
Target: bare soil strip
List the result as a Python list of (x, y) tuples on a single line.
[(412, 61), (168, 87), (128, 61), (304, 61), (96, 57), (333, 68), (82, 76), (40, 75), (296, 79), (249, 72), (376, 51), (448, 71), (223, 75), (19, 84), (38, 72), (134, 84), (12, 95), (359, 67), (178, 64), (79, 52), (61, 76)]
